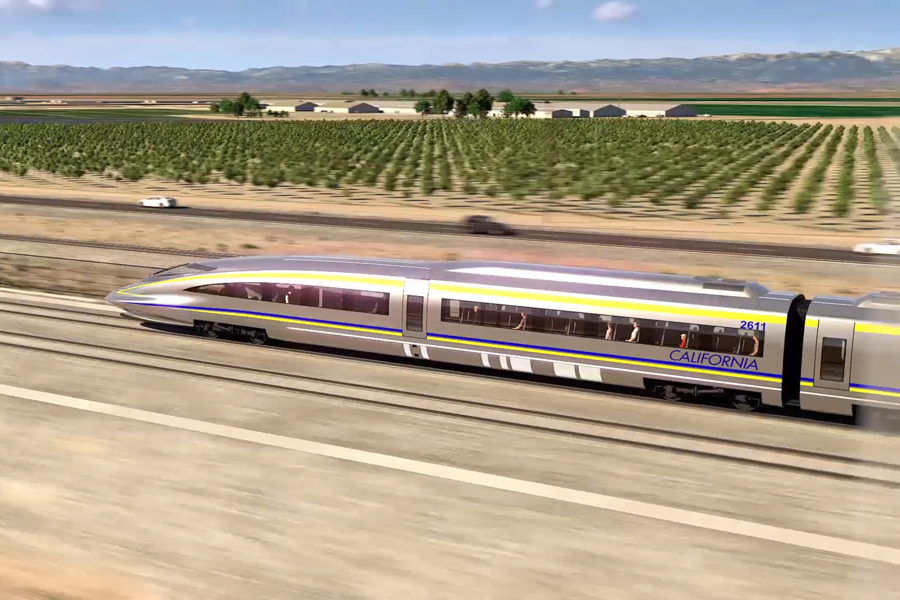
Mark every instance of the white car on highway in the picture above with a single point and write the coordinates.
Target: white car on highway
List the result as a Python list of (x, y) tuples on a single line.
[(882, 247), (159, 202)]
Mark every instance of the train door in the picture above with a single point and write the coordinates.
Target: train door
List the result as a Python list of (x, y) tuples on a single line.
[(834, 347), (415, 303)]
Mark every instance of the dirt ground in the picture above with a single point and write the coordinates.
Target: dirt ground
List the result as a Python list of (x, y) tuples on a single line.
[(31, 576), (170, 231)]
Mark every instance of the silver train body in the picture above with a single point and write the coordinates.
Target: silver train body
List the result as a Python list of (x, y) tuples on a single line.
[(675, 336)]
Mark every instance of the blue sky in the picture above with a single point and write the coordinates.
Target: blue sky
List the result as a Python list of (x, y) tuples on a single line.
[(239, 34)]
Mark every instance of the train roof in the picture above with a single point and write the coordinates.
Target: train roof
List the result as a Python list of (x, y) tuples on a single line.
[(575, 279), (881, 307)]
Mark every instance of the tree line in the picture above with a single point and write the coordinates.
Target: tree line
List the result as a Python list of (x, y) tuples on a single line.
[(243, 105), (477, 105)]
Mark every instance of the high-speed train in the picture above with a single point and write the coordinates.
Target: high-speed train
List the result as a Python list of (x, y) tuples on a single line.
[(675, 336)]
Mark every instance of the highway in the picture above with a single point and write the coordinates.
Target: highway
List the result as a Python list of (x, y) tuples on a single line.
[(210, 469), (569, 237)]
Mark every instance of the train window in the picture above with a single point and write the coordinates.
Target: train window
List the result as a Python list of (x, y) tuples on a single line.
[(834, 357), (651, 333), (450, 310), (288, 294), (415, 313), (750, 343), (376, 303), (704, 339), (471, 313), (586, 325), (490, 315), (310, 296), (214, 289), (707, 338), (535, 319), (621, 329), (252, 291), (727, 340), (674, 335), (557, 321), (333, 299), (509, 316)]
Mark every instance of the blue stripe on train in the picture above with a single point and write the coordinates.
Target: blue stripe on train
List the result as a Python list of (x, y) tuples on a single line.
[(250, 313), (613, 356)]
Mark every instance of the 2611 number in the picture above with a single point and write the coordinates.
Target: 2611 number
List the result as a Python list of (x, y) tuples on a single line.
[(753, 325)]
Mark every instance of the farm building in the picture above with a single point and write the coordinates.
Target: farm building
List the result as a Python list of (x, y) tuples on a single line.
[(397, 108), (555, 113), (347, 107), (303, 107), (609, 111), (658, 110)]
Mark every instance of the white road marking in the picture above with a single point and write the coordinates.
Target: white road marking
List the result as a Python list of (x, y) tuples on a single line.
[(658, 512), (59, 300), (21, 292)]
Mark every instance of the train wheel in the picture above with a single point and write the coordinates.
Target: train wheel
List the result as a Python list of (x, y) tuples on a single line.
[(209, 330), (666, 392), (257, 336), (746, 402)]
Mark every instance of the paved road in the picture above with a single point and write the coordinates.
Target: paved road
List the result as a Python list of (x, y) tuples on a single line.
[(603, 239), (201, 487)]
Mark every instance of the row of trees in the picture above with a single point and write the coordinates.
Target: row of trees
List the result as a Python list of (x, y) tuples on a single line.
[(477, 105), (245, 104), (504, 95)]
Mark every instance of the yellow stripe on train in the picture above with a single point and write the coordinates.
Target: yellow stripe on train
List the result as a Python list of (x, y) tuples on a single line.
[(860, 390), (520, 294), (882, 329)]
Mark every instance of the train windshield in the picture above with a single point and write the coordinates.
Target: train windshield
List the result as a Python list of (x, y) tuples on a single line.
[(183, 269)]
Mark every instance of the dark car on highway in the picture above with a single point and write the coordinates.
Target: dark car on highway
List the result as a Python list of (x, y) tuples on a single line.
[(485, 224)]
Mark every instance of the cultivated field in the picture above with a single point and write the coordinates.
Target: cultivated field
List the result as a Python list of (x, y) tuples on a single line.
[(832, 174)]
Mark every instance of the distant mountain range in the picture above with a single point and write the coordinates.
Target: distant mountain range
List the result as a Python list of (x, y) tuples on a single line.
[(876, 70)]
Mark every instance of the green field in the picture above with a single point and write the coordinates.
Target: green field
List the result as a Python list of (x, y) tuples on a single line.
[(92, 114), (811, 111), (588, 165)]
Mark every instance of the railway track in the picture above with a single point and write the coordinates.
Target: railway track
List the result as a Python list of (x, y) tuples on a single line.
[(819, 464), (438, 228)]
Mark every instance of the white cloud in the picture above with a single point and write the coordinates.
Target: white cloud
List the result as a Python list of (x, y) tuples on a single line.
[(614, 11), (544, 3), (48, 6)]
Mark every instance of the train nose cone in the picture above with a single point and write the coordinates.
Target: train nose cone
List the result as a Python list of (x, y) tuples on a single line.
[(115, 298)]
